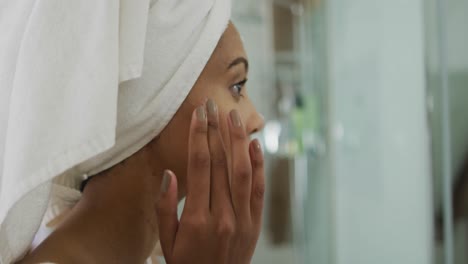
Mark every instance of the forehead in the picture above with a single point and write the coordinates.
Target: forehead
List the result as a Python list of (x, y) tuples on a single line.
[(229, 47)]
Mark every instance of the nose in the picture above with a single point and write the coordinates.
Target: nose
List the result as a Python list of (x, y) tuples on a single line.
[(255, 123)]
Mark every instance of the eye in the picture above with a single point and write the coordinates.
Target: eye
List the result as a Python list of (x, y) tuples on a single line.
[(236, 89)]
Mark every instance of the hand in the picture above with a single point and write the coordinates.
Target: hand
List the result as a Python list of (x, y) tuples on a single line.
[(221, 219)]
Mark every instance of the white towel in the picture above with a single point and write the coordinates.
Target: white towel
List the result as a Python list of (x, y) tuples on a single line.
[(66, 106)]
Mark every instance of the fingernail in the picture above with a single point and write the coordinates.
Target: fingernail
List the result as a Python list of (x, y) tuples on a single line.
[(212, 108), (201, 113), (257, 146), (235, 117), (166, 181)]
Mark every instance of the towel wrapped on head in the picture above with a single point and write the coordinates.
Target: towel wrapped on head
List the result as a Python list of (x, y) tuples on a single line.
[(83, 86)]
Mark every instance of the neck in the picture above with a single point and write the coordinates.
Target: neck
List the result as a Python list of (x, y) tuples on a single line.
[(115, 221)]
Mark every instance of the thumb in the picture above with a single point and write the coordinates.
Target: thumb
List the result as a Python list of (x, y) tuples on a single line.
[(167, 213)]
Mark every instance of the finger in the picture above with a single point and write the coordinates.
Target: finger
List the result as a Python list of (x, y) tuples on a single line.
[(220, 192), (258, 183), (241, 172), (198, 169), (166, 209)]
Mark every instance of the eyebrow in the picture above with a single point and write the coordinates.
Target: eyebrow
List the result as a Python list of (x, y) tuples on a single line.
[(238, 61)]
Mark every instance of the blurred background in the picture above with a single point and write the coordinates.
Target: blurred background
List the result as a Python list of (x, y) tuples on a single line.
[(366, 103)]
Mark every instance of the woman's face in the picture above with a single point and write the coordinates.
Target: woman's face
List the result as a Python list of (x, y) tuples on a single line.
[(222, 80)]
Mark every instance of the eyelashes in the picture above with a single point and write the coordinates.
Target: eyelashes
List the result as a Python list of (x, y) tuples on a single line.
[(237, 88)]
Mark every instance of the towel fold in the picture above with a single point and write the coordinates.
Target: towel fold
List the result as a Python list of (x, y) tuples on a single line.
[(83, 86)]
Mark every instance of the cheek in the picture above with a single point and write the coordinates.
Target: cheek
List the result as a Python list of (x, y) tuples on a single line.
[(174, 146)]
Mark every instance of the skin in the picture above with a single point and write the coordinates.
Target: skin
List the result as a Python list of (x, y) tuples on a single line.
[(124, 209)]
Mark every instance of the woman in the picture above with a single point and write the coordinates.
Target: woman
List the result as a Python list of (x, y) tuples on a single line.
[(213, 228), (211, 161)]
